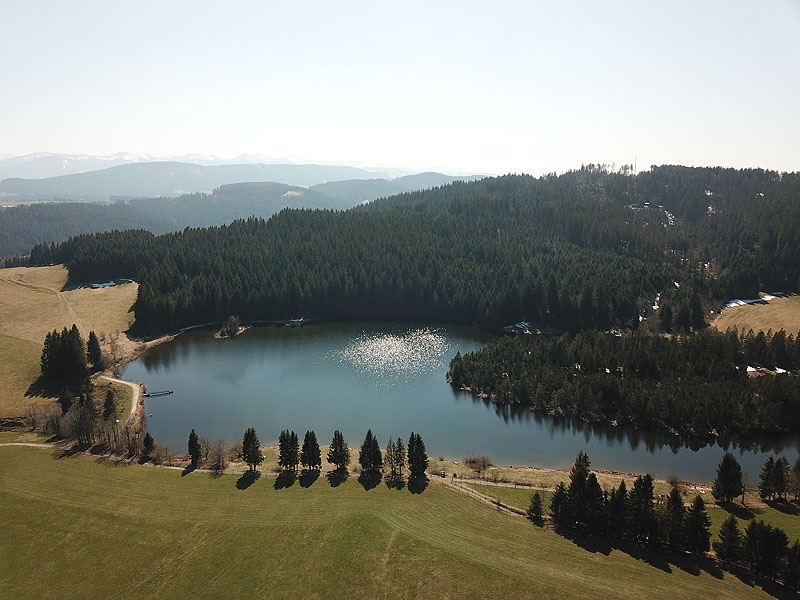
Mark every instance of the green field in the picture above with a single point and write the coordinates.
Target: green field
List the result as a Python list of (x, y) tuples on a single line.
[(83, 527)]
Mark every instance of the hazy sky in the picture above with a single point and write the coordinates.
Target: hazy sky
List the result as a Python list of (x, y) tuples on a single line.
[(488, 87)]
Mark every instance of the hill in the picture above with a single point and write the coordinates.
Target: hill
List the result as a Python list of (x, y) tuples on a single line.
[(357, 191), (169, 179), (33, 302), (189, 536)]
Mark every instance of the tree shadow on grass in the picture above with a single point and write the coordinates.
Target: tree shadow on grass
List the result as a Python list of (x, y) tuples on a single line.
[(787, 508), (395, 483), (247, 479), (737, 510), (337, 477), (370, 479), (752, 580), (285, 479), (417, 484), (44, 388), (72, 450), (188, 469), (308, 477)]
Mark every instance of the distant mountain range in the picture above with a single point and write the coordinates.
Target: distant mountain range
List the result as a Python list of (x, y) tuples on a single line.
[(170, 179), (48, 164), (23, 226)]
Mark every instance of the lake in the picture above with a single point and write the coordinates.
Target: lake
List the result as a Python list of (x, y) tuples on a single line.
[(390, 378)]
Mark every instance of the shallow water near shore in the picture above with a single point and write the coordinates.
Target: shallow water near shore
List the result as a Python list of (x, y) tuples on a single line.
[(390, 378)]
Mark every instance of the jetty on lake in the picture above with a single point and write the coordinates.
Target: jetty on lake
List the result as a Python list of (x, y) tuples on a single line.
[(156, 394)]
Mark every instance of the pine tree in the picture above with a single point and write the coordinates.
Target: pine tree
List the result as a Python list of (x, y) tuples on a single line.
[(729, 545), (728, 482), (697, 531), (535, 509), (93, 353), (310, 456), (339, 452), (417, 455), (251, 451), (194, 448), (675, 515)]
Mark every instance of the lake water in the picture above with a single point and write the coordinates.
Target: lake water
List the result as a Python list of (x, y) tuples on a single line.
[(389, 378)]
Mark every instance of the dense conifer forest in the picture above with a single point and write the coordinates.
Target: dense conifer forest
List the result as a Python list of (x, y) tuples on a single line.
[(587, 249), (691, 384)]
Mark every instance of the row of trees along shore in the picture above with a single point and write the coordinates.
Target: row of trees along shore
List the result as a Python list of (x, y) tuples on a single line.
[(582, 507), (291, 454), (590, 248), (691, 384)]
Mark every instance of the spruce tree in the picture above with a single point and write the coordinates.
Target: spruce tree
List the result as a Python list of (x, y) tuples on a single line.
[(595, 506), (417, 455), (791, 570), (391, 459), (781, 477), (369, 457), (558, 505), (697, 531), (729, 545), (148, 445), (310, 455), (641, 516), (766, 486), (794, 479), (109, 406), (251, 451), (93, 352), (194, 448), (675, 515), (287, 450), (728, 482), (617, 510), (400, 456), (535, 509), (339, 452)]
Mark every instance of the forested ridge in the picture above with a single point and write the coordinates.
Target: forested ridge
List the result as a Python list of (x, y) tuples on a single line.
[(587, 249), (690, 384)]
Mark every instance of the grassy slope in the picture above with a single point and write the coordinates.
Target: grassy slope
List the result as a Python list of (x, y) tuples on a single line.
[(31, 304), (780, 313), (82, 527)]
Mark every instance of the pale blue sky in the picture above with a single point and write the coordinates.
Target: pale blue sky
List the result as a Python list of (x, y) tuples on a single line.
[(471, 86)]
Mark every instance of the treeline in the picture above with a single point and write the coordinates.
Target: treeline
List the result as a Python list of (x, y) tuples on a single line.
[(692, 384), (566, 252), (581, 507)]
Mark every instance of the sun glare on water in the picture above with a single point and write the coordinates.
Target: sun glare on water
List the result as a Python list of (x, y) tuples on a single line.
[(415, 351)]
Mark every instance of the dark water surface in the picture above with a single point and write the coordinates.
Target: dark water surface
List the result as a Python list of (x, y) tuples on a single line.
[(388, 377)]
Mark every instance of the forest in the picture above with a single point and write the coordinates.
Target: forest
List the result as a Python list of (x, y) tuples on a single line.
[(695, 384), (587, 249)]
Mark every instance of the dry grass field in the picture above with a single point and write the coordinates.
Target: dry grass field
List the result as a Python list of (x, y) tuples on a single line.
[(780, 313), (33, 301)]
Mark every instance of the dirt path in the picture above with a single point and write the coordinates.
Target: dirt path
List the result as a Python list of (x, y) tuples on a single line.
[(30, 444), (136, 387)]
